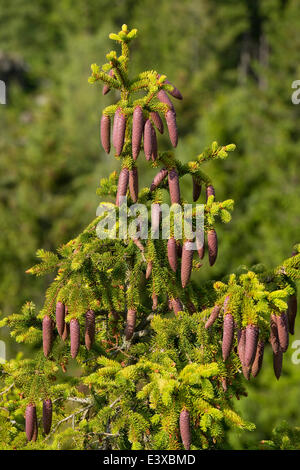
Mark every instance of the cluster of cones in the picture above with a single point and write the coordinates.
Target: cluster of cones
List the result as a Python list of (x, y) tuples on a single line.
[(64, 330), (31, 421), (250, 346)]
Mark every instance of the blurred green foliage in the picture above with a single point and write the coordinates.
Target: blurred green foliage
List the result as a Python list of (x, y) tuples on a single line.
[(234, 62)]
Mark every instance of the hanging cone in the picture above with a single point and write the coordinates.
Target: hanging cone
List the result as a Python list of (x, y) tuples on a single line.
[(241, 345), (159, 177), (256, 366), (47, 415), (134, 184), (153, 144), (60, 318), (122, 184), (224, 383), (137, 131), (149, 269), (186, 263), (139, 244), (148, 139), (200, 244), (74, 337), (274, 340), (283, 331), (115, 127), (228, 330), (252, 332), (157, 121), (172, 127), (213, 316), (30, 421), (292, 312), (196, 189), (35, 430), (163, 98), (105, 132), (89, 329), (210, 191), (212, 243), (177, 306), (246, 372), (130, 324), (174, 188), (172, 254), (106, 88), (47, 335), (155, 220), (175, 92), (184, 426), (277, 363), (119, 135)]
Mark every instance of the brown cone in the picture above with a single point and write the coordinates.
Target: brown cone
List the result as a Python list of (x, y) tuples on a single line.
[(277, 363), (148, 139), (241, 345), (184, 426), (172, 127), (252, 332), (172, 254), (292, 312), (186, 263), (159, 177), (210, 191), (105, 132), (134, 184), (47, 415), (60, 318), (212, 243), (115, 127), (163, 98), (137, 131), (175, 92), (130, 324), (228, 330), (149, 269), (213, 316), (176, 305), (106, 88), (154, 144), (122, 184), (274, 340), (47, 335), (256, 366), (157, 121), (174, 186), (89, 329), (120, 132), (30, 422), (74, 337), (196, 189), (246, 371), (283, 331), (155, 220)]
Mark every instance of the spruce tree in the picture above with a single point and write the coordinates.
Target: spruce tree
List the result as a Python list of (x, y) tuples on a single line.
[(131, 352)]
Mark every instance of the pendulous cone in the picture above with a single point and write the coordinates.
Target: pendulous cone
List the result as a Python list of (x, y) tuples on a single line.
[(122, 185), (115, 127), (47, 335), (292, 312), (283, 331), (212, 244), (185, 431), (130, 323), (137, 131), (47, 415), (157, 121), (228, 331), (251, 341), (174, 188), (176, 305), (172, 254), (274, 340), (120, 132), (134, 184), (241, 345), (149, 269), (74, 337), (148, 140), (106, 88), (31, 422), (210, 191), (158, 178), (277, 363), (196, 189), (186, 262), (246, 371), (154, 144), (172, 127), (163, 98), (60, 318), (213, 316), (90, 328), (259, 356), (105, 132)]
